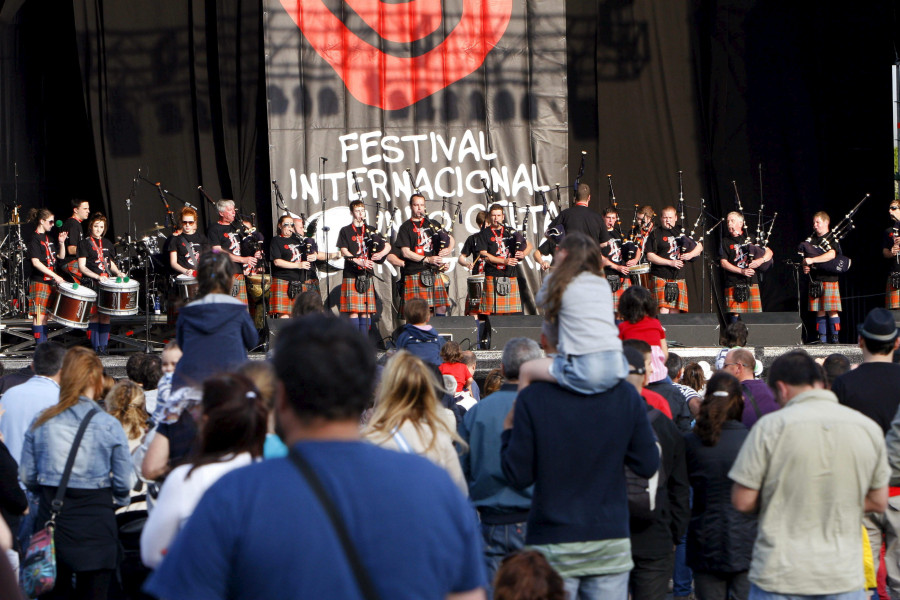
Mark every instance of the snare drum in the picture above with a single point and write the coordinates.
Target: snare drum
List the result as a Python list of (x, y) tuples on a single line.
[(475, 289), (187, 287), (258, 283), (640, 275), (118, 297), (70, 304)]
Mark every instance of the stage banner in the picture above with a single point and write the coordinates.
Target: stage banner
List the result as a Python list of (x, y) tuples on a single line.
[(371, 100)]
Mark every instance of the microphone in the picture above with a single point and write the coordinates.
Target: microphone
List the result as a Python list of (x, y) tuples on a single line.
[(324, 159), (189, 205)]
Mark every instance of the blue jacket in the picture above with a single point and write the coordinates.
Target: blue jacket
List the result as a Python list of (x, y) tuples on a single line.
[(426, 344), (102, 461), (214, 332)]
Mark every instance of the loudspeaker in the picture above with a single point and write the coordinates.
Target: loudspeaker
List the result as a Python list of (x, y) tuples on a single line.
[(773, 329), (274, 326), (502, 328), (462, 330), (691, 329)]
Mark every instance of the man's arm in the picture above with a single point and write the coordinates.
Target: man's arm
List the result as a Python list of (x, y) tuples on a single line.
[(746, 500), (876, 500)]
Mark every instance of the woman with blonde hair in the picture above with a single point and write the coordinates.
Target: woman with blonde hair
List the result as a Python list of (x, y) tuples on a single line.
[(125, 401), (85, 536), (409, 418)]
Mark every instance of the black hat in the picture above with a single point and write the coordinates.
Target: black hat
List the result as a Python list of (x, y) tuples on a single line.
[(635, 360), (879, 326)]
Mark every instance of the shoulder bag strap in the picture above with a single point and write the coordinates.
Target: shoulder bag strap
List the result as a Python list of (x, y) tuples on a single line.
[(56, 505), (359, 571), (753, 402)]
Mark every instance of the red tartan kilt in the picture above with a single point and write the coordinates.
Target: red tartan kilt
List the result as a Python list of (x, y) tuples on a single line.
[(830, 301), (891, 296), (354, 302), (436, 295), (495, 304), (659, 285), (72, 268), (280, 303), (752, 305), (239, 286), (38, 297), (624, 284)]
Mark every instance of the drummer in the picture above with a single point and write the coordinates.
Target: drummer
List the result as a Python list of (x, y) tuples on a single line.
[(43, 253), (186, 248), (96, 265), (293, 265)]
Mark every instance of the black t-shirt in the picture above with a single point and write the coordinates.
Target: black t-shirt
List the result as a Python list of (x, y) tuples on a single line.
[(664, 243), (494, 241), (75, 229), (353, 239), (418, 237), (585, 220), (817, 274), (614, 252), (871, 388), (226, 237), (472, 249), (888, 243), (44, 249), (734, 251), (96, 254), (292, 249), (188, 248)]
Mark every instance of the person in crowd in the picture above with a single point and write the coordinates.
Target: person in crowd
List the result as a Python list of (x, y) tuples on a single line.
[(638, 309), (502, 509), (572, 447), (418, 336), (261, 373), (720, 539), (582, 218), (835, 365), (294, 259), (890, 248), (815, 467), (501, 286), (85, 535), (409, 418), (675, 368), (453, 364), (95, 262), (414, 531), (307, 303), (74, 230), (679, 410), (576, 298), (493, 381), (225, 237), (13, 502), (471, 361), (232, 434), (735, 337), (667, 261), (125, 401), (639, 371), (418, 241), (526, 575), (827, 302), (694, 377), (43, 254), (357, 287), (758, 397), (170, 356)]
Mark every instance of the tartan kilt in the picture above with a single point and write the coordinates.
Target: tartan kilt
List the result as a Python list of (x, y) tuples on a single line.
[(72, 268), (280, 303), (38, 297), (494, 304), (752, 305), (659, 285), (830, 301), (436, 295), (354, 302), (891, 296), (239, 288), (624, 284)]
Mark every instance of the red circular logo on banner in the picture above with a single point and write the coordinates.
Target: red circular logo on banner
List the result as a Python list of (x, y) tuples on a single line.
[(391, 82)]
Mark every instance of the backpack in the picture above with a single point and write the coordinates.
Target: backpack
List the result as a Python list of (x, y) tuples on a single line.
[(641, 490)]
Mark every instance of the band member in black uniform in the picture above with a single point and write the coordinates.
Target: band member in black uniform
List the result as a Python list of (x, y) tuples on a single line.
[(293, 265), (43, 252), (501, 287), (471, 260), (225, 236), (741, 281), (185, 249), (615, 262), (583, 219), (663, 250), (417, 241), (824, 293), (891, 250), (95, 264), (74, 228), (357, 288)]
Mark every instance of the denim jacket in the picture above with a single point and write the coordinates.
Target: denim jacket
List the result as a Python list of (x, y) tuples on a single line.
[(102, 461)]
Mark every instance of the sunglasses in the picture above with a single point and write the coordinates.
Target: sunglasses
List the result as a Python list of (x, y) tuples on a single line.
[(188, 222)]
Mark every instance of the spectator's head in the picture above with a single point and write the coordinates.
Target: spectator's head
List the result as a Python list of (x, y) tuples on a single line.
[(261, 373), (235, 418), (470, 360), (125, 401), (134, 367), (793, 373), (307, 303), (636, 303), (105, 387), (81, 375), (835, 365), (451, 352), (736, 334), (171, 354), (214, 273), (724, 402), (492, 382), (646, 356), (526, 575), (878, 334), (740, 363), (416, 311), (674, 365), (151, 372), (516, 352), (638, 367), (48, 359), (694, 377), (335, 383)]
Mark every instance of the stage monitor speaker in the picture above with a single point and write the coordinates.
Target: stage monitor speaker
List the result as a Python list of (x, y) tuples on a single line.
[(502, 328), (462, 330), (691, 329), (773, 329), (274, 326)]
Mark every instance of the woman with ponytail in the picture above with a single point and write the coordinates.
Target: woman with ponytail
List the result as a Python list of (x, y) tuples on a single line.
[(125, 401), (43, 253), (232, 434), (719, 539)]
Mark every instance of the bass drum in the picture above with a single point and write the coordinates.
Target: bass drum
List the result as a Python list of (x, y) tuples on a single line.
[(640, 275)]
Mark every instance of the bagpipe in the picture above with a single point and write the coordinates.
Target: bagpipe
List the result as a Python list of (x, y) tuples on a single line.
[(629, 248), (839, 264), (685, 241), (514, 239), (756, 249)]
